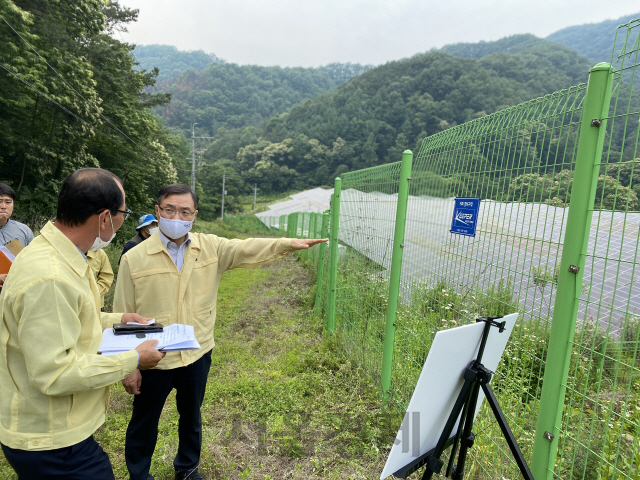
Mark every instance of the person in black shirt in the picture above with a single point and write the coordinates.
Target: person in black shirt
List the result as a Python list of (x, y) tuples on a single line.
[(147, 225)]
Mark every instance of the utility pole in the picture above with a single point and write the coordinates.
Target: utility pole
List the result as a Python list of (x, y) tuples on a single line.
[(255, 195), (224, 192), (193, 155)]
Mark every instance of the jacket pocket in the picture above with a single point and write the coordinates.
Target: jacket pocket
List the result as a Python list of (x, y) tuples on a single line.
[(204, 263), (70, 413), (204, 310)]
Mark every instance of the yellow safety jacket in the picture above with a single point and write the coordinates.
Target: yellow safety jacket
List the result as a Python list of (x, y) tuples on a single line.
[(54, 385), (102, 271), (150, 284)]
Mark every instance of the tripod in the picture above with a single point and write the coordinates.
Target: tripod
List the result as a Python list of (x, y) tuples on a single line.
[(476, 376)]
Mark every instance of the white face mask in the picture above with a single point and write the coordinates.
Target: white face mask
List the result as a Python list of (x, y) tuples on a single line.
[(98, 243), (174, 228), (152, 230)]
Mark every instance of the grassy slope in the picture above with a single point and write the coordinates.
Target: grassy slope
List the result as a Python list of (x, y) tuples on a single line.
[(280, 402)]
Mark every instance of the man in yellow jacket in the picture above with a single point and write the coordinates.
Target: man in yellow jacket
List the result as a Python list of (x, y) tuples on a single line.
[(174, 278), (54, 384), (102, 271)]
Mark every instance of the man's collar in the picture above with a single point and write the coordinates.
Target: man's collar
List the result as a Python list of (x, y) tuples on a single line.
[(165, 240), (155, 242), (65, 248)]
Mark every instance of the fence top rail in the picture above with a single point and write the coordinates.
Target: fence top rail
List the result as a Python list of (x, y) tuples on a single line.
[(381, 174), (548, 107), (629, 44)]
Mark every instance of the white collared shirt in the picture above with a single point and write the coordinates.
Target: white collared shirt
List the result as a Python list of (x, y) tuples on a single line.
[(176, 253)]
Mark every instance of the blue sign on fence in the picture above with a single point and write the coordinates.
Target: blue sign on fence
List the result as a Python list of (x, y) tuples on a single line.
[(465, 216)]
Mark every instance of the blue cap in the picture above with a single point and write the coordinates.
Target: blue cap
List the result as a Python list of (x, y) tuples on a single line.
[(146, 220)]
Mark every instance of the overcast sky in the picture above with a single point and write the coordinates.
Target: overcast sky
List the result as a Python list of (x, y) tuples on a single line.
[(317, 32)]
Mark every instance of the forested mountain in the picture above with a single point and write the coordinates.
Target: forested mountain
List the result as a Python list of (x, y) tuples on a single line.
[(372, 118), (341, 72), (594, 40), (171, 61), (512, 44), (226, 95), (69, 98)]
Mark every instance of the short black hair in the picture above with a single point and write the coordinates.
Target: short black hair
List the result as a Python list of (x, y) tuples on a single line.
[(6, 190), (177, 189), (86, 192)]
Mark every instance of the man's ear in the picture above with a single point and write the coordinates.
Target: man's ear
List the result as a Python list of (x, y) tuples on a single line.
[(102, 221)]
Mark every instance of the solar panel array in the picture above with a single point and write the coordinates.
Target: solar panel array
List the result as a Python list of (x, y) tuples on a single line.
[(511, 238), (315, 200)]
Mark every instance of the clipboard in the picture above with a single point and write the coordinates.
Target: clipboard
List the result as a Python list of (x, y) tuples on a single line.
[(8, 254)]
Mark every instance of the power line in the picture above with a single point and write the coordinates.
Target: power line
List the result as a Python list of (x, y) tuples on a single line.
[(33, 87), (65, 109), (75, 91), (193, 157)]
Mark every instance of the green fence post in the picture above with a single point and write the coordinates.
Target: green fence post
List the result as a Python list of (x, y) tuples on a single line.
[(320, 275), (303, 219), (333, 256), (395, 273), (565, 309), (318, 232)]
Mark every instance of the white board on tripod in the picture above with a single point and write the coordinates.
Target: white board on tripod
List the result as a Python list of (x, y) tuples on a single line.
[(438, 387)]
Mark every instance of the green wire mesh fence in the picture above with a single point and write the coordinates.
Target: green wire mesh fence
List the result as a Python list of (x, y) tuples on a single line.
[(513, 160), (601, 425), (294, 225), (250, 224), (521, 162), (367, 220)]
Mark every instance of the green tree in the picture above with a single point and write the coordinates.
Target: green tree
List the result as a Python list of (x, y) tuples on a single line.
[(72, 99)]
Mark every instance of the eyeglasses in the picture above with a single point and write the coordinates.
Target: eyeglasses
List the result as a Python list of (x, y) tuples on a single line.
[(125, 213), (185, 213)]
